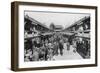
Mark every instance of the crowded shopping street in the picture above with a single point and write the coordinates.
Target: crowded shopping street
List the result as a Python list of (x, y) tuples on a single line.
[(42, 43)]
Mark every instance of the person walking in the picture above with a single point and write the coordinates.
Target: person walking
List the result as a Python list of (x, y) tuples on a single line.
[(61, 47)]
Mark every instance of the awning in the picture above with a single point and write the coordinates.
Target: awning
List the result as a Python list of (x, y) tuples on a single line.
[(84, 35), (47, 33), (30, 36), (67, 33)]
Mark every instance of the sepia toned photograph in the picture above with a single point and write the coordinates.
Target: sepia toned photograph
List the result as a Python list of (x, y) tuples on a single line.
[(52, 36)]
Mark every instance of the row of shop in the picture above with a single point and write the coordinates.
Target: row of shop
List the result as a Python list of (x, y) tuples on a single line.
[(77, 35)]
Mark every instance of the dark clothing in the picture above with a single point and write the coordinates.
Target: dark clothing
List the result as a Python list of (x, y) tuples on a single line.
[(56, 49), (38, 45), (68, 46), (61, 48)]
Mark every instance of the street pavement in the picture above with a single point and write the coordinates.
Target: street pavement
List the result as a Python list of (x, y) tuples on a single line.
[(68, 55)]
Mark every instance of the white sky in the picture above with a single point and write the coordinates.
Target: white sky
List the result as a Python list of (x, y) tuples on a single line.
[(64, 19)]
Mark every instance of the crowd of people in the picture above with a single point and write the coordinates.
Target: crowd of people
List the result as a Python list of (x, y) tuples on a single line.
[(37, 49), (83, 48), (44, 49)]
